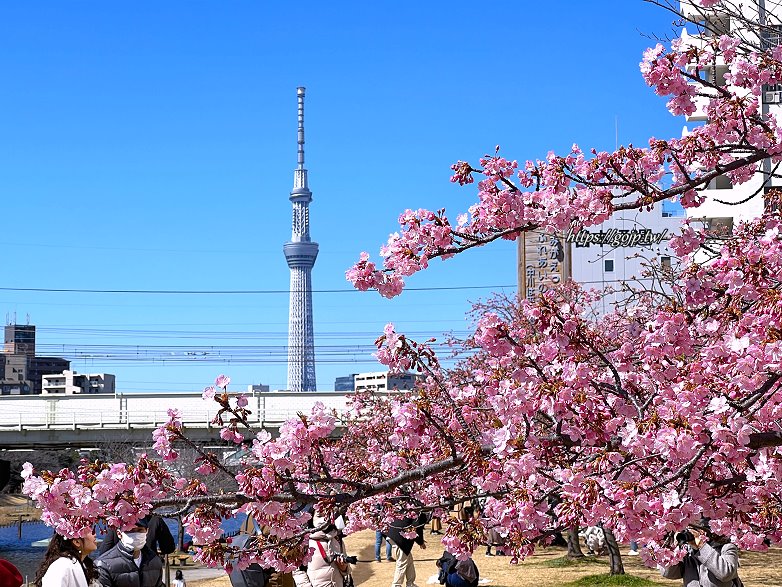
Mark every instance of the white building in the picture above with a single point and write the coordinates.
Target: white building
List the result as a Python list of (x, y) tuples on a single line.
[(721, 216), (609, 255), (618, 251), (384, 381), (70, 382)]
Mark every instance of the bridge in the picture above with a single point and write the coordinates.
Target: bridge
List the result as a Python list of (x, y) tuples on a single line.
[(88, 421)]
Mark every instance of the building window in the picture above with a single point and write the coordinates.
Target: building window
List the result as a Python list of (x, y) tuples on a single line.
[(665, 263), (772, 36), (608, 265), (722, 182)]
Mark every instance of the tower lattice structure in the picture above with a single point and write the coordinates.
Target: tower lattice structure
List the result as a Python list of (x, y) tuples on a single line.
[(300, 253)]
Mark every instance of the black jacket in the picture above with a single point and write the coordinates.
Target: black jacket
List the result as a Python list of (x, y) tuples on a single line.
[(159, 537), (116, 568), (398, 526)]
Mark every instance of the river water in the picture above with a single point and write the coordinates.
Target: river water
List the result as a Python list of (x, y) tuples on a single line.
[(26, 557), (19, 551)]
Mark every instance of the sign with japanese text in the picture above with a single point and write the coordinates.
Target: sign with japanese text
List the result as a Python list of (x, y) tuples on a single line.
[(543, 263)]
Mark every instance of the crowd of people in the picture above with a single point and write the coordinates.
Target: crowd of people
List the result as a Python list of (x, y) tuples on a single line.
[(130, 558)]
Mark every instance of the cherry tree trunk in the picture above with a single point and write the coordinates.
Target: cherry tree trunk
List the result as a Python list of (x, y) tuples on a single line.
[(180, 536), (573, 543), (614, 556)]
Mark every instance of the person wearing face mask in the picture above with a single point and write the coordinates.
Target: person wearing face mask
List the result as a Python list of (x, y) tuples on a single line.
[(66, 562), (131, 563), (159, 537)]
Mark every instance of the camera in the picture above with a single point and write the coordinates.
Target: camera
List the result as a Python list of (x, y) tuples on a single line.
[(684, 537), (343, 558)]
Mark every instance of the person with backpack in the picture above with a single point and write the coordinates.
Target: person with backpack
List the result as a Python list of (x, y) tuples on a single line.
[(457, 573), (711, 561)]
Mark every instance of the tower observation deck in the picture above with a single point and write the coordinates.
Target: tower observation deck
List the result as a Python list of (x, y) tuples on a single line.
[(300, 253)]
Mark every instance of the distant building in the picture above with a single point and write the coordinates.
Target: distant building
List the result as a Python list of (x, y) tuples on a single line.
[(19, 340), (346, 383), (70, 382), (37, 367), (13, 370), (300, 254), (257, 389), (21, 372), (615, 253), (384, 381)]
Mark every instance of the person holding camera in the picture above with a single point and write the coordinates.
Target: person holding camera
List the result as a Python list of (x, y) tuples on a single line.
[(330, 565), (710, 560)]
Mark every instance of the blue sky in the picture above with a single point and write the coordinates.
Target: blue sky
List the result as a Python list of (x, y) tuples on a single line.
[(151, 146)]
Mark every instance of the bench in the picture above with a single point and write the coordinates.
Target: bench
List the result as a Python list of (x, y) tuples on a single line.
[(179, 559)]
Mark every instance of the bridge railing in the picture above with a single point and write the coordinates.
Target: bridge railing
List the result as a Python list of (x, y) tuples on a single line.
[(149, 410)]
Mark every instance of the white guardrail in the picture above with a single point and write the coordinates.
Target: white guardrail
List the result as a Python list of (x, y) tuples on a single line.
[(142, 410)]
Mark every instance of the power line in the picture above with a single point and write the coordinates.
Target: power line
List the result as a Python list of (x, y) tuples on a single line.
[(234, 291), (226, 334)]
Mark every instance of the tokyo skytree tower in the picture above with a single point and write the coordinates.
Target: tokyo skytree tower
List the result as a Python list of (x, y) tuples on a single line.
[(300, 253)]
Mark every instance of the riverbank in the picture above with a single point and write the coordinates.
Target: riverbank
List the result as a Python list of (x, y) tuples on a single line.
[(14, 507)]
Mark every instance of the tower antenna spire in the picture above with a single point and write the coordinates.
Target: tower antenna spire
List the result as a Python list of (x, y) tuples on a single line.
[(300, 91)]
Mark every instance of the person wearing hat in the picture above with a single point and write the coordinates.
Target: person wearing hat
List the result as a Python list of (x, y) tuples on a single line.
[(9, 575), (130, 562)]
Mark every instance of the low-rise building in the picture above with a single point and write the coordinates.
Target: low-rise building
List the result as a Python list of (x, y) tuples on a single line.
[(385, 381), (70, 382)]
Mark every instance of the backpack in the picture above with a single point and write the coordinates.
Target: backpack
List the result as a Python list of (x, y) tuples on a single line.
[(467, 570)]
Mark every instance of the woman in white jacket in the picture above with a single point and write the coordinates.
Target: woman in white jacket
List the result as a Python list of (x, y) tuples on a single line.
[(66, 562), (327, 567)]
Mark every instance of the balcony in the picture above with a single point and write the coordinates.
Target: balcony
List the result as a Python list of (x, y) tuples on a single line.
[(701, 103)]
